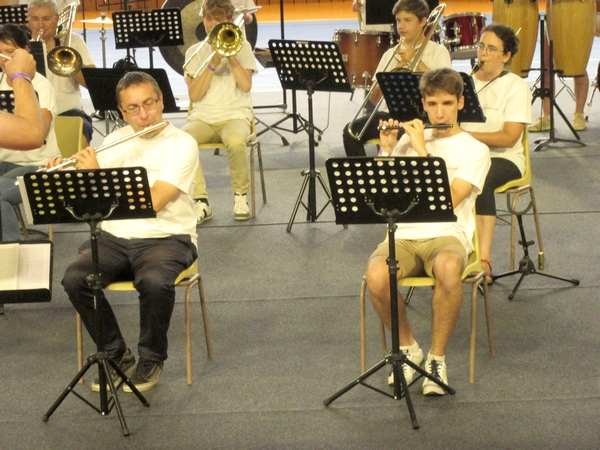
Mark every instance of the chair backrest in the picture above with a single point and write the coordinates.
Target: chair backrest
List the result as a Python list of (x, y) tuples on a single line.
[(526, 178), (68, 134)]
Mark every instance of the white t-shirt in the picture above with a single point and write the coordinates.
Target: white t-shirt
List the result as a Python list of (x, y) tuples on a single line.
[(49, 150), (435, 56), (172, 156), (223, 100), (466, 158), (505, 99), (68, 92)]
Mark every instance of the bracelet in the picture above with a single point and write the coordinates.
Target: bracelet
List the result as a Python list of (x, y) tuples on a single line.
[(209, 67), (20, 75)]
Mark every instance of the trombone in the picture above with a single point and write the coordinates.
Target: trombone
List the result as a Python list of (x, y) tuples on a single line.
[(64, 60), (226, 39), (428, 30)]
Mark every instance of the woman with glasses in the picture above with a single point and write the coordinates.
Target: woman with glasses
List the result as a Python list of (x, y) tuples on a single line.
[(506, 102)]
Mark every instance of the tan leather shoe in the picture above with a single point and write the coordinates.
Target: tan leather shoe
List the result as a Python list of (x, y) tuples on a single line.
[(578, 122), (541, 124)]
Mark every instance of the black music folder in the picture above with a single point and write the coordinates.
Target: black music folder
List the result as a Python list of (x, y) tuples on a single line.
[(26, 271)]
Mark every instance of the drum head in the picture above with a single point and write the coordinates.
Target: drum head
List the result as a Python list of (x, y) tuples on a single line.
[(194, 32)]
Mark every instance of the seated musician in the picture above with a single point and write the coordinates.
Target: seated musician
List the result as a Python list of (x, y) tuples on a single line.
[(221, 109), (43, 21), (411, 17), (506, 103), (441, 249), (153, 252), (14, 163)]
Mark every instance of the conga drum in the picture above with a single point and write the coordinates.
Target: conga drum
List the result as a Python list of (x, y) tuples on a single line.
[(519, 15), (573, 23)]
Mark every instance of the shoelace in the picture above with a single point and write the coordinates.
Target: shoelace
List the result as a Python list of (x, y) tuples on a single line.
[(147, 366), (435, 369)]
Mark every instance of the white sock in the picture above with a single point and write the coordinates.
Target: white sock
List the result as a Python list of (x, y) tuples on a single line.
[(414, 348), (436, 357)]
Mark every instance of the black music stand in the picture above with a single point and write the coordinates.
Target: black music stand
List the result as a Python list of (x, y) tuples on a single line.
[(134, 29), (13, 14), (101, 81), (91, 196), (392, 189), (549, 92), (310, 66), (403, 98), (526, 264)]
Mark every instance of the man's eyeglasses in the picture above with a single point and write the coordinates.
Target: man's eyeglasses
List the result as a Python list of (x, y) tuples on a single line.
[(490, 49), (134, 110)]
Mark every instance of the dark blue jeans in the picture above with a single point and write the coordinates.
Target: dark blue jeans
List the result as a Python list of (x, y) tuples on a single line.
[(9, 196), (153, 264)]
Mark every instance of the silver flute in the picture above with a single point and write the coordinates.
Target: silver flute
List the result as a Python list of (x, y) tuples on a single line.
[(69, 161), (426, 126)]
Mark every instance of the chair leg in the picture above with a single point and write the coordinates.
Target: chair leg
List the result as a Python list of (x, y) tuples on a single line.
[(261, 172), (538, 230), (205, 318), (188, 332), (488, 319), (474, 292), (252, 181), (363, 328), (17, 209), (79, 345)]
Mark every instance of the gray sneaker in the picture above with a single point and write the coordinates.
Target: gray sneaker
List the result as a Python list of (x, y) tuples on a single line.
[(145, 376), (126, 364), (203, 211)]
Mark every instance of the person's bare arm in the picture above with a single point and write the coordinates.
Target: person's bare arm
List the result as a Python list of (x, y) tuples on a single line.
[(25, 129)]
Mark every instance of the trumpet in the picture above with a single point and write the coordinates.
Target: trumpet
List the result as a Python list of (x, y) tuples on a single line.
[(422, 41), (64, 60), (69, 161), (226, 39), (427, 126)]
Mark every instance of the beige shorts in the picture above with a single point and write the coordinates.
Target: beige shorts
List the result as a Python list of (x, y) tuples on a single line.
[(416, 258)]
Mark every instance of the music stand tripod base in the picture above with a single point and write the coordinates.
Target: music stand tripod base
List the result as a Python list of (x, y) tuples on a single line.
[(375, 190), (74, 196)]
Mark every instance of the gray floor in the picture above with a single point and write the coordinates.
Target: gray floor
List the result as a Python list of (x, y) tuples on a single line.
[(284, 314)]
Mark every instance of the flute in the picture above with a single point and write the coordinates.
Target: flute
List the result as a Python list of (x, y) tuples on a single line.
[(69, 161), (426, 126)]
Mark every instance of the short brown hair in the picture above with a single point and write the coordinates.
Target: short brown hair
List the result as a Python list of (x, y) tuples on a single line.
[(134, 79), (419, 8), (446, 80), (218, 8)]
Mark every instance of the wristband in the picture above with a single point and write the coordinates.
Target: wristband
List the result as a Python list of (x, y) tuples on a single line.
[(211, 68), (20, 75)]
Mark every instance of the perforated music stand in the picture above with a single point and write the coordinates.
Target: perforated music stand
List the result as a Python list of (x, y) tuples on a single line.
[(403, 98), (13, 14), (392, 190), (148, 28), (310, 66), (101, 81), (91, 196)]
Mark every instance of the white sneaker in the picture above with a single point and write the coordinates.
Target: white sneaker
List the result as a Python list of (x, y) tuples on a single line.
[(241, 211), (203, 211), (409, 372), (438, 370)]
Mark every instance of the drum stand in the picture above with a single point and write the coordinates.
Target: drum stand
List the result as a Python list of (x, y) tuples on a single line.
[(549, 92)]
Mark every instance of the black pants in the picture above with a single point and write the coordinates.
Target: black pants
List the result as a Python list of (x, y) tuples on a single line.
[(354, 147), (153, 264), (501, 172)]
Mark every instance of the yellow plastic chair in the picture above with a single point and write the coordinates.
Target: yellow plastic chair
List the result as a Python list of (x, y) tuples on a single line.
[(69, 137), (188, 279), (477, 281), (516, 188)]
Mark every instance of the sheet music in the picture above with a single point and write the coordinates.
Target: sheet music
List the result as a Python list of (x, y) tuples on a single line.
[(9, 266), (34, 267)]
